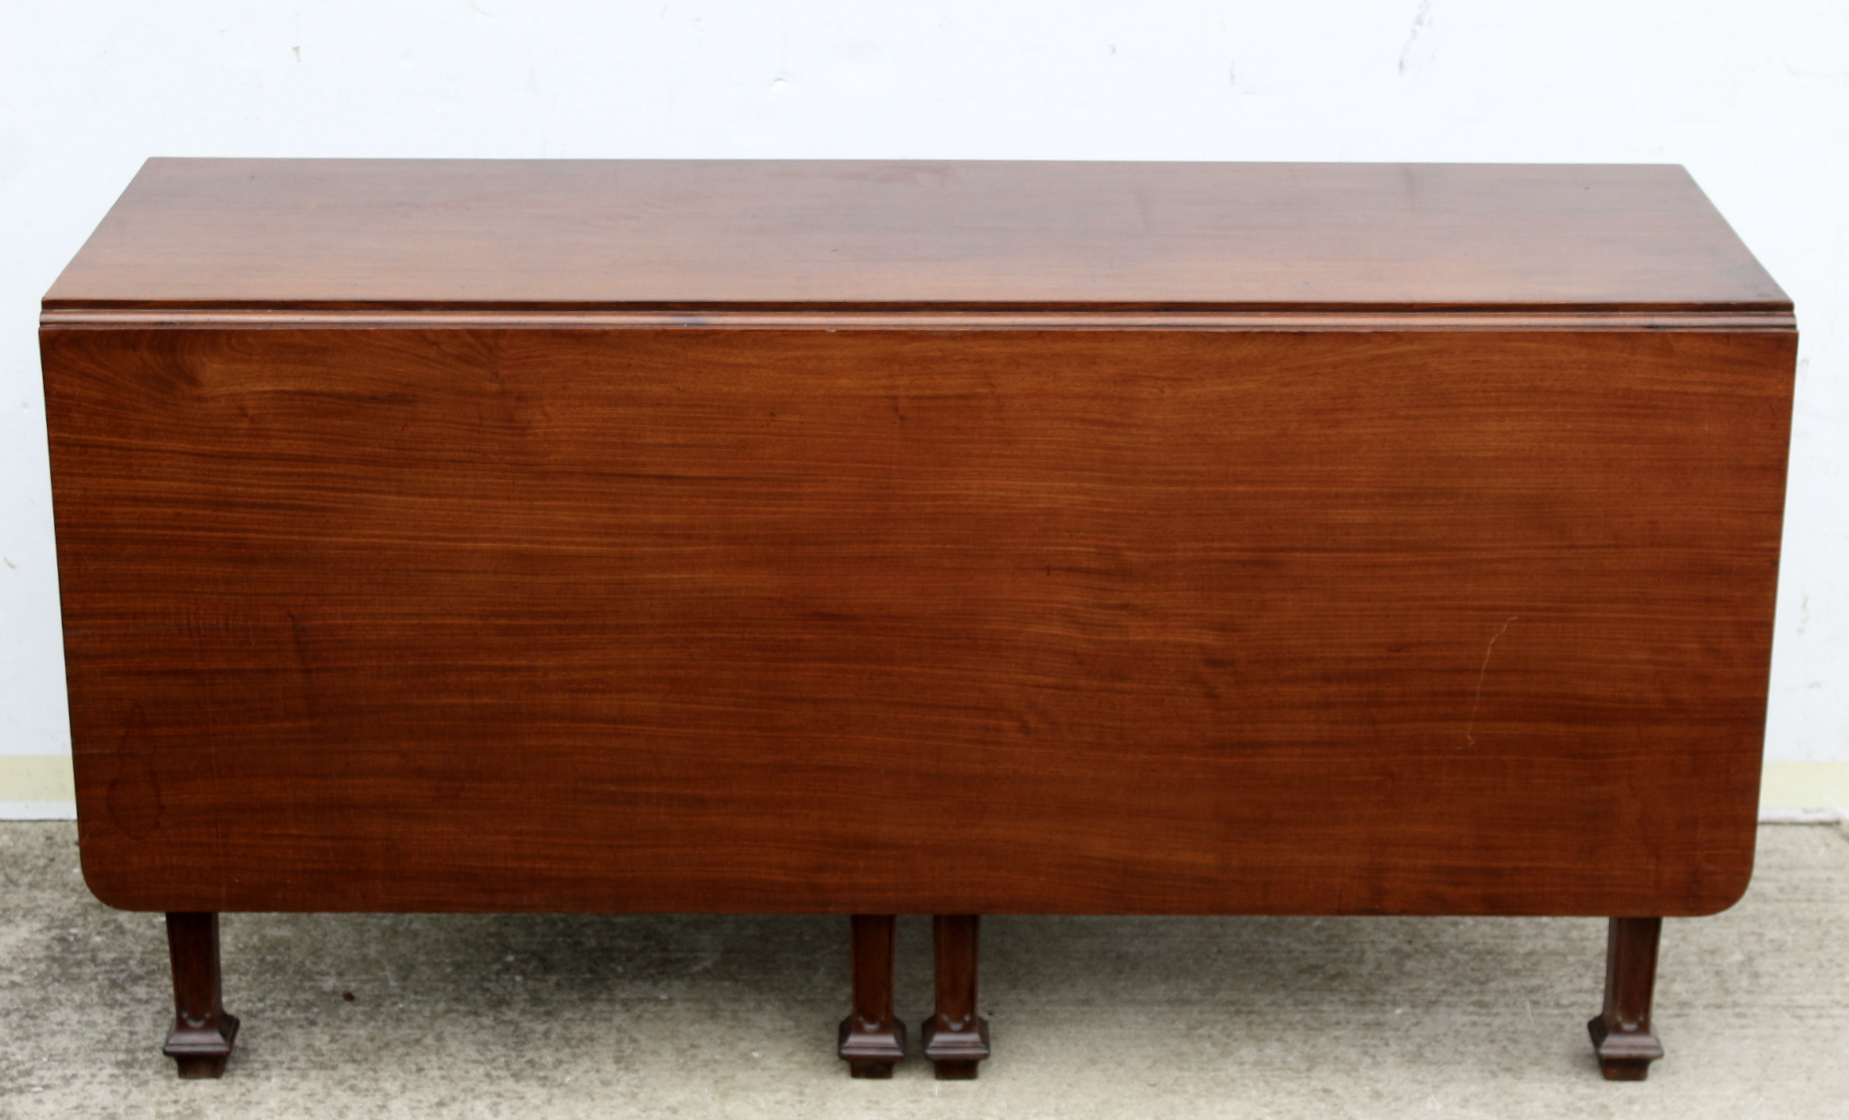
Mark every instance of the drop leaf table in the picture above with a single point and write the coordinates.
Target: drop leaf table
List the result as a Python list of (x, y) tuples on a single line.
[(873, 538)]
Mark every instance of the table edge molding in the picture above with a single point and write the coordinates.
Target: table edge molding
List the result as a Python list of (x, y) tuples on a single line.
[(1231, 321)]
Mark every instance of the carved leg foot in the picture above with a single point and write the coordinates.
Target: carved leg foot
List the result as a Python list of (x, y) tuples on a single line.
[(203, 1031), (1621, 1033), (871, 1039), (956, 1038)]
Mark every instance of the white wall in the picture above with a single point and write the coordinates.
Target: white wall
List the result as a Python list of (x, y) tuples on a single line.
[(1753, 98)]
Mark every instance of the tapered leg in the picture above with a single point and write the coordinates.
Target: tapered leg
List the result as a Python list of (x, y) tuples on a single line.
[(1621, 1033), (871, 1039), (956, 1038), (203, 1031)]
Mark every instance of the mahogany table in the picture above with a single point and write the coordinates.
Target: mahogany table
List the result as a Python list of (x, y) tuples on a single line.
[(941, 538)]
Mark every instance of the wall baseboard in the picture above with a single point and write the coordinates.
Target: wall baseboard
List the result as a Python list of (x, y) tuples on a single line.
[(38, 810), (38, 787), (1804, 792)]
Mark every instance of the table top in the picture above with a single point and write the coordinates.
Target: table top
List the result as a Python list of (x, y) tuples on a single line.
[(288, 234)]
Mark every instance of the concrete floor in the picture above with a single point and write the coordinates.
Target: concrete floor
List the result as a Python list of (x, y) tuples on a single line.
[(582, 1016)]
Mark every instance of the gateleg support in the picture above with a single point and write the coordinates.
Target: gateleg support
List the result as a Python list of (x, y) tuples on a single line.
[(956, 1039), (872, 1040)]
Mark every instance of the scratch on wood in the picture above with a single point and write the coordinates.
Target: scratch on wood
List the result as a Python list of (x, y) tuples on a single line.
[(1476, 701)]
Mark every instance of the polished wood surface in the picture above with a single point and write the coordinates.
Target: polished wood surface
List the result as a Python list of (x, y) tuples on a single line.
[(915, 622), (501, 234)]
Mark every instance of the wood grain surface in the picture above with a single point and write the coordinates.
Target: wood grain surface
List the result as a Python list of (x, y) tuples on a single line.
[(926, 621), (423, 234)]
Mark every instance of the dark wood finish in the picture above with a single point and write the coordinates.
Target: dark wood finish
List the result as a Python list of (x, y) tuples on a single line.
[(956, 1038), (872, 1039), (203, 1031), (938, 538), (518, 234), (899, 621), (1621, 1034)]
